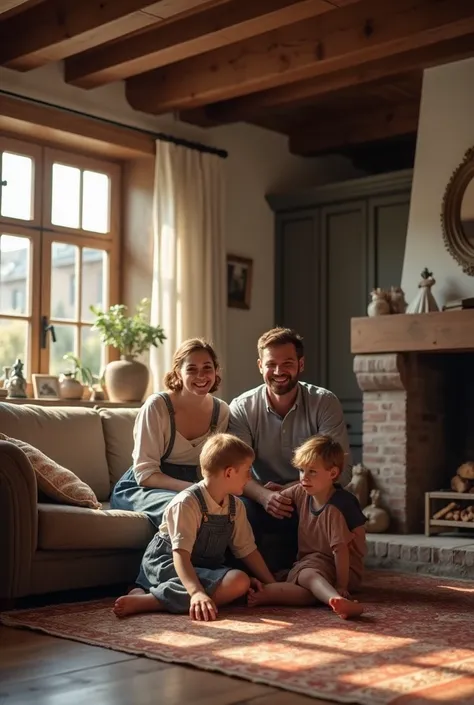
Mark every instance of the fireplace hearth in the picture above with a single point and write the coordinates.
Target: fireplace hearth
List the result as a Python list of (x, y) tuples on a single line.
[(416, 373)]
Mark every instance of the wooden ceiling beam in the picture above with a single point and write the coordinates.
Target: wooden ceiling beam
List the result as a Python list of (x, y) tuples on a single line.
[(353, 36), (15, 5), (331, 133), (305, 92), (48, 31), (215, 26)]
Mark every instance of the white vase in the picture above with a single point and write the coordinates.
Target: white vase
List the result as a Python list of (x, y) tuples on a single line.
[(379, 306)]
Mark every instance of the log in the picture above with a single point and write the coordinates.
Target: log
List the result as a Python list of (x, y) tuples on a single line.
[(442, 512)]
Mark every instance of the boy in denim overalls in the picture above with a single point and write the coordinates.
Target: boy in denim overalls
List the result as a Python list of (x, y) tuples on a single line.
[(183, 567)]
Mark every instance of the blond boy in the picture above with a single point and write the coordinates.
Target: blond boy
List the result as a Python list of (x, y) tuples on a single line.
[(183, 568), (331, 535)]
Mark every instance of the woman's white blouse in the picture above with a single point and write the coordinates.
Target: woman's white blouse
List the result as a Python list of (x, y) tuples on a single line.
[(152, 433)]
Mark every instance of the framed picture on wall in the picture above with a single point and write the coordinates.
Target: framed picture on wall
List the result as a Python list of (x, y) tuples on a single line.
[(239, 281)]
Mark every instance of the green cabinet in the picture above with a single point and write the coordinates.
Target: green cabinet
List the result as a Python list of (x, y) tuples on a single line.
[(332, 246)]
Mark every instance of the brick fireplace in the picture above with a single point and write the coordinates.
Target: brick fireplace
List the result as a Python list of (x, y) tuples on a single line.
[(416, 373)]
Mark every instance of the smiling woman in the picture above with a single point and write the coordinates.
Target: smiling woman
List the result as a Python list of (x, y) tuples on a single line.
[(170, 431)]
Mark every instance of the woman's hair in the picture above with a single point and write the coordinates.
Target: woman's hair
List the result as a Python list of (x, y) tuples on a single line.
[(172, 380), (223, 450), (323, 447)]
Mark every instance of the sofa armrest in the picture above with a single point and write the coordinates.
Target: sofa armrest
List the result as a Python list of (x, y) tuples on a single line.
[(18, 520)]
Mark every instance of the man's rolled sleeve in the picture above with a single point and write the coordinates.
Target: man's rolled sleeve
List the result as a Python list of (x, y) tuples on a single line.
[(238, 423)]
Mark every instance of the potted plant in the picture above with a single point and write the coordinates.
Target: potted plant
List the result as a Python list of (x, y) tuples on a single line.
[(69, 386), (127, 379)]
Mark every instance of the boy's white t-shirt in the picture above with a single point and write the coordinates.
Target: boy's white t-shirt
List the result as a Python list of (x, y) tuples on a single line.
[(183, 516)]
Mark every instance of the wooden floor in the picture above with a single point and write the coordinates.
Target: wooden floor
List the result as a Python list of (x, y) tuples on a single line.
[(36, 669)]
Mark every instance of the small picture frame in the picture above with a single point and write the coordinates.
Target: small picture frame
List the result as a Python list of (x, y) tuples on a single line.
[(239, 281), (45, 386)]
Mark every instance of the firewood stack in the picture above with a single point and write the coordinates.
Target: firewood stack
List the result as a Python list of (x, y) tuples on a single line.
[(454, 512), (462, 482)]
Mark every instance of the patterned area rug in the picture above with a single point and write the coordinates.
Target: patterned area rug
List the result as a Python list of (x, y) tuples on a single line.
[(415, 643)]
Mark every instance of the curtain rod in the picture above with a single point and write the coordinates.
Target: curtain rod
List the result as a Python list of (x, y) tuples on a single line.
[(197, 146)]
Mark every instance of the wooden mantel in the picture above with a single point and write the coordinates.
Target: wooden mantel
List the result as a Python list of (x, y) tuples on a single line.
[(443, 331)]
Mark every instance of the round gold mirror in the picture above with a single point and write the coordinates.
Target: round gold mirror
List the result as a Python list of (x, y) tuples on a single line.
[(457, 216)]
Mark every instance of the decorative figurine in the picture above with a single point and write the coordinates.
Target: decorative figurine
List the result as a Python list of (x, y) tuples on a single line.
[(424, 301), (378, 519), (359, 485), (16, 382)]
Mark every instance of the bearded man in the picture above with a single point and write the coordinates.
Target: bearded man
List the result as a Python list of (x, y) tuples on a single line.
[(274, 419)]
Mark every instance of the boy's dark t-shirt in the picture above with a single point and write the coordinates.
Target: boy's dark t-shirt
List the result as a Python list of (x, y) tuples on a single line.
[(340, 520)]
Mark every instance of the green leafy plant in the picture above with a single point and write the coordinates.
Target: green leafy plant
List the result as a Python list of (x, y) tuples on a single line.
[(130, 335), (84, 373)]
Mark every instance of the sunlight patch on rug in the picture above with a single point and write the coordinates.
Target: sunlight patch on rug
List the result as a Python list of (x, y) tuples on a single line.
[(350, 642), (184, 641), (271, 654), (235, 625)]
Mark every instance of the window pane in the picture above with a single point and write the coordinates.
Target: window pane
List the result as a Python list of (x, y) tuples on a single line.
[(13, 343), (14, 271), (64, 269), (94, 269), (95, 202), (66, 337), (66, 196), (92, 351), (17, 194)]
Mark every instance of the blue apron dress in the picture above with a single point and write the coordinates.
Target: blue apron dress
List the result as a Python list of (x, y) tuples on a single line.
[(157, 573), (130, 496)]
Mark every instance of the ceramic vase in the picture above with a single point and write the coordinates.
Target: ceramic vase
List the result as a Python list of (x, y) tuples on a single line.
[(379, 306), (126, 380), (70, 388)]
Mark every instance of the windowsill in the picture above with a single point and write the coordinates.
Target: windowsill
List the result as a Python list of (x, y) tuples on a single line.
[(75, 402)]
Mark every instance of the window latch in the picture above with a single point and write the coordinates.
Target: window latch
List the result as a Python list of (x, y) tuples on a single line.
[(45, 329)]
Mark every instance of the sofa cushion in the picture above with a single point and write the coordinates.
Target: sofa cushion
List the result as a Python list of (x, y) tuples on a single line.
[(71, 436), (63, 527), (53, 480), (117, 427)]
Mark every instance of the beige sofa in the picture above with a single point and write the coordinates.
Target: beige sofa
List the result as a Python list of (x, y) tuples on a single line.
[(45, 546)]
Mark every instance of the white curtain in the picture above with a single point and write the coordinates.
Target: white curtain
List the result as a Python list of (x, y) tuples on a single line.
[(189, 257)]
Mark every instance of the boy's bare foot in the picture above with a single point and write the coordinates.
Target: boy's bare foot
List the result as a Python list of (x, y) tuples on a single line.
[(345, 608), (136, 591), (258, 597), (134, 604)]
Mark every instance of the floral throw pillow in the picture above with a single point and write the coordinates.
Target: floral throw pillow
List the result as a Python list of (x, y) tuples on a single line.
[(54, 480)]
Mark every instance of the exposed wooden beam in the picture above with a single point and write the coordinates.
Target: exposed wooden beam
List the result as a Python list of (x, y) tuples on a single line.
[(9, 5), (298, 94), (56, 28), (353, 36), (169, 42), (331, 133)]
